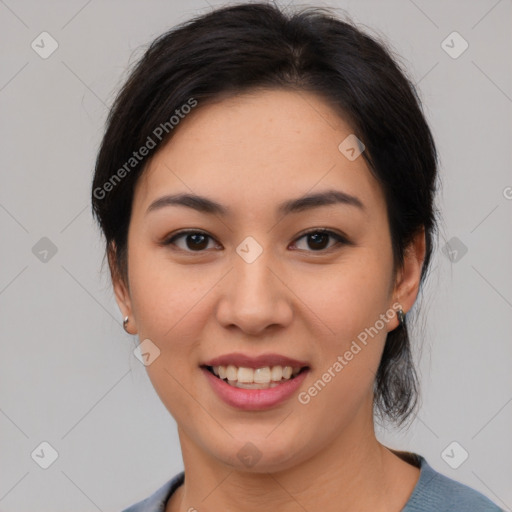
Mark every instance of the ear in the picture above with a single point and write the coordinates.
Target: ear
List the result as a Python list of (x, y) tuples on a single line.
[(407, 282), (121, 290)]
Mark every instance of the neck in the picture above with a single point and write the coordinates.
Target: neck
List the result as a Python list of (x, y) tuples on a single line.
[(355, 472)]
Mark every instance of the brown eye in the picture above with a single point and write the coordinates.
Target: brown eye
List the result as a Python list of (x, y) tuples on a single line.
[(318, 239), (195, 241)]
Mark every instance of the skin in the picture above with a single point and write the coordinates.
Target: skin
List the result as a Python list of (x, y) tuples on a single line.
[(250, 153)]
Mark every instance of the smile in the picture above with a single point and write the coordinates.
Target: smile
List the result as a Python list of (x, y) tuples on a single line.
[(254, 396), (255, 378)]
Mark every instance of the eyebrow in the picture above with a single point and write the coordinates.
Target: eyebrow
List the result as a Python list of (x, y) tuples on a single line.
[(205, 205)]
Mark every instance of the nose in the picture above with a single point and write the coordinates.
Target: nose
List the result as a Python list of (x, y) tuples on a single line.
[(254, 296)]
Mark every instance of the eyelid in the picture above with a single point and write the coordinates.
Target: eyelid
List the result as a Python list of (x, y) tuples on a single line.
[(335, 234)]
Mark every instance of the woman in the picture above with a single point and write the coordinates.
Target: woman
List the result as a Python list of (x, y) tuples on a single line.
[(266, 189)]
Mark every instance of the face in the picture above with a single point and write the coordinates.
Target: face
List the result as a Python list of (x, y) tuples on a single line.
[(313, 282)]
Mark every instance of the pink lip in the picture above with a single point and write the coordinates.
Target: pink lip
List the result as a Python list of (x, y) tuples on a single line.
[(254, 399), (239, 359)]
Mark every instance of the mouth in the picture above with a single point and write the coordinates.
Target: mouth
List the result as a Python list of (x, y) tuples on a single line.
[(255, 378)]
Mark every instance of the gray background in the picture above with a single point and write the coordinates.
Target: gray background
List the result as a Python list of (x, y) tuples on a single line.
[(67, 372)]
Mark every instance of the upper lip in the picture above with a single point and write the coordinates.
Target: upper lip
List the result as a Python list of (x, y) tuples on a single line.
[(239, 359)]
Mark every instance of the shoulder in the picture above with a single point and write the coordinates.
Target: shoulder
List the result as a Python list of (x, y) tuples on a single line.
[(158, 500), (437, 492)]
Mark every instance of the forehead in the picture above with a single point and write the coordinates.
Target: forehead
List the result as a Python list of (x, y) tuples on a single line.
[(257, 148)]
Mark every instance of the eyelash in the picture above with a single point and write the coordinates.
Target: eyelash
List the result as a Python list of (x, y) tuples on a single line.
[(340, 239)]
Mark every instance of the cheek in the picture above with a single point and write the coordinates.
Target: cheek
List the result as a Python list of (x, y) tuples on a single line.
[(166, 299), (343, 379), (169, 307), (351, 295), (353, 304)]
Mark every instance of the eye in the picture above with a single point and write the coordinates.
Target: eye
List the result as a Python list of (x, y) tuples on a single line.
[(195, 241), (318, 238)]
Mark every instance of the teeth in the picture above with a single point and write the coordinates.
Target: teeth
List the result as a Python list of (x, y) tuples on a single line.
[(262, 375), (277, 373), (258, 378), (231, 372), (245, 375)]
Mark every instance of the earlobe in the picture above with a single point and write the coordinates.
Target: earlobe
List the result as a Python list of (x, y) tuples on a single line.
[(121, 293), (409, 276), (123, 301)]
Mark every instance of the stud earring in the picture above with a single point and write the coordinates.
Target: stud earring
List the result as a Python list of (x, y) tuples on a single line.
[(125, 323)]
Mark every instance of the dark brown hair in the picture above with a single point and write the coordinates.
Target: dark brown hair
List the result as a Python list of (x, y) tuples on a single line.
[(247, 46)]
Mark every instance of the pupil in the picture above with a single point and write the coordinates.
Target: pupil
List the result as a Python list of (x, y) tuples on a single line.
[(316, 236), (197, 242)]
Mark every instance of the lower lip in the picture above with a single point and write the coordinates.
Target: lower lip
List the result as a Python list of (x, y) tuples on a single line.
[(254, 399)]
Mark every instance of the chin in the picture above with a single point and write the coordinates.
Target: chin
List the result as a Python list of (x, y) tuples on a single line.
[(260, 455)]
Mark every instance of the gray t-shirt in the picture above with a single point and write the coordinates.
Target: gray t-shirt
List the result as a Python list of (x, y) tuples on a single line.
[(433, 492)]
